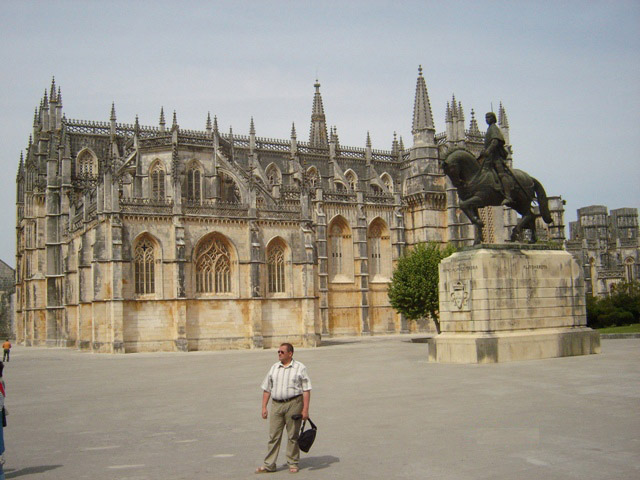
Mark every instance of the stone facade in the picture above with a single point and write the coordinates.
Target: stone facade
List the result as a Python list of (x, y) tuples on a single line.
[(607, 245), (140, 238), (7, 289)]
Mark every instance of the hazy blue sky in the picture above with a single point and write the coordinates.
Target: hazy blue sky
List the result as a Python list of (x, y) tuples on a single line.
[(567, 72)]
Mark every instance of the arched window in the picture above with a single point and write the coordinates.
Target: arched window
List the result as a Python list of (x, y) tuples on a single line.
[(352, 179), (157, 181), (379, 245), (386, 179), (86, 164), (628, 266), (376, 190), (273, 175), (275, 268), (144, 267), (340, 251), (341, 187), (213, 267), (194, 185), (312, 177)]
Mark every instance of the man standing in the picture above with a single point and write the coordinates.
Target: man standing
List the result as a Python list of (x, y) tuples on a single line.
[(6, 346), (494, 156), (289, 387)]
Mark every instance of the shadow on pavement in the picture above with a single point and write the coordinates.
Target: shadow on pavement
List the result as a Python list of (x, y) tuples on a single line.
[(318, 463), (12, 473)]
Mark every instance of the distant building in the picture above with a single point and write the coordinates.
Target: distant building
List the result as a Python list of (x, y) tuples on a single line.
[(7, 289), (607, 245)]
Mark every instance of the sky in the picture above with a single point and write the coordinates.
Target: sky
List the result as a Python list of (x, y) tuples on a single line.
[(567, 73)]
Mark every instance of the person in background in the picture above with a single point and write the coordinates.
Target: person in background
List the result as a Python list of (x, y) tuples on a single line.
[(6, 346)]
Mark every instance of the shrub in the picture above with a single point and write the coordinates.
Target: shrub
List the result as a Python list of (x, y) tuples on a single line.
[(622, 307), (414, 286)]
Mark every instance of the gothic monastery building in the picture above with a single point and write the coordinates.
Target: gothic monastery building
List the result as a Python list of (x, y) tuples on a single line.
[(144, 238)]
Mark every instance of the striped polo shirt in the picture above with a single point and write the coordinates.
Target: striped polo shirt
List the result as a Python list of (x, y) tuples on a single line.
[(284, 383)]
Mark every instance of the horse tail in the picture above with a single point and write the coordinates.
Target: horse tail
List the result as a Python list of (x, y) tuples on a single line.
[(541, 195)]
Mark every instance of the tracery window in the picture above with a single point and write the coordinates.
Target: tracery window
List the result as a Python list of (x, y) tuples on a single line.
[(340, 251), (386, 179), (628, 265), (157, 182), (194, 185), (275, 268), (144, 267), (86, 164), (374, 250), (312, 177), (213, 267), (352, 179), (273, 175), (379, 247)]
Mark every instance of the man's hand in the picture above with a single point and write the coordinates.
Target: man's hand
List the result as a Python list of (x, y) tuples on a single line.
[(305, 414), (265, 413)]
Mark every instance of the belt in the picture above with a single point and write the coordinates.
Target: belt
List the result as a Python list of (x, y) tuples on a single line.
[(287, 400)]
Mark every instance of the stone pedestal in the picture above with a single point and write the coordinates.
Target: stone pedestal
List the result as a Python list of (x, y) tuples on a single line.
[(501, 303)]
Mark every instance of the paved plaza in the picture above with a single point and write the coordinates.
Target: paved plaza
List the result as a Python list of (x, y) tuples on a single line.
[(382, 411)]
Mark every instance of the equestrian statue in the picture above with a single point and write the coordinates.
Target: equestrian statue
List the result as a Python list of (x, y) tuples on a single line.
[(488, 181)]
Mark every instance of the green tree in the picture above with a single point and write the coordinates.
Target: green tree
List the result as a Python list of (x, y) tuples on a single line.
[(414, 286)]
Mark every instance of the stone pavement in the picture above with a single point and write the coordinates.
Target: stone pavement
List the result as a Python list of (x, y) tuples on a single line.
[(382, 411)]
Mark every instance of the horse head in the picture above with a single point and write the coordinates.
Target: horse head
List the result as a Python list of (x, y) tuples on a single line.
[(460, 166)]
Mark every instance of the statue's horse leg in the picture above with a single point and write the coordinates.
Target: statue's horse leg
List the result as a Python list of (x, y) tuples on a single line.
[(470, 209), (527, 222)]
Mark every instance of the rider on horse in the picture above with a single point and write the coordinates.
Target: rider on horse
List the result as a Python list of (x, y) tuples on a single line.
[(494, 157)]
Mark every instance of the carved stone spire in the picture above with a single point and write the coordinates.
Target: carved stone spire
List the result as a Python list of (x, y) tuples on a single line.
[(394, 145), (423, 127), (53, 90), (174, 125), (252, 136), (473, 125), (294, 139), (113, 118), (318, 134), (163, 124), (208, 126)]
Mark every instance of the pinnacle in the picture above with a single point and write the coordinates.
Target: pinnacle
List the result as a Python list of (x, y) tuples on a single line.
[(208, 126), (368, 140), (175, 120), (422, 115), (293, 130), (113, 111), (252, 128), (162, 122), (53, 89)]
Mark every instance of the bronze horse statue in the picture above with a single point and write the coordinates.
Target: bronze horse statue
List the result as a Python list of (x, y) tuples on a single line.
[(479, 186)]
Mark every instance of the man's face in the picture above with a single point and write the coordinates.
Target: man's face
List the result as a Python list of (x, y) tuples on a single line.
[(284, 355), (490, 119)]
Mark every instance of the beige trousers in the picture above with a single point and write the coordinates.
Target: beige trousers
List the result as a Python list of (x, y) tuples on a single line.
[(280, 416)]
